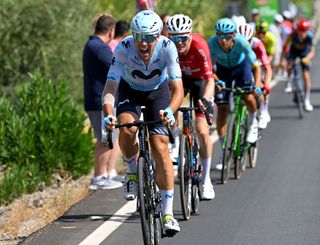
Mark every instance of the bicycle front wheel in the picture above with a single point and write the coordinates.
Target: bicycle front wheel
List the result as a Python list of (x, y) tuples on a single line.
[(149, 223), (227, 150), (185, 179)]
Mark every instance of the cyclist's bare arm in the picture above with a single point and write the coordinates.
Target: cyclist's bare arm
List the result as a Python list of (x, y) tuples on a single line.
[(268, 73), (177, 94), (108, 96), (209, 89), (257, 74)]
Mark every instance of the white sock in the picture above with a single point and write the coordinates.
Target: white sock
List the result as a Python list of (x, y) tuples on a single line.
[(307, 96), (167, 201), (206, 164), (132, 164), (97, 178), (253, 118)]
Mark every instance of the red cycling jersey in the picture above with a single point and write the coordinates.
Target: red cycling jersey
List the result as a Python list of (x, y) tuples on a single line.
[(197, 63), (260, 51)]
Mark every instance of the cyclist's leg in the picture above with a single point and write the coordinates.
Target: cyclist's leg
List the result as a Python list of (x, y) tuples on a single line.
[(202, 131), (128, 110), (307, 86), (222, 101), (159, 142), (243, 79)]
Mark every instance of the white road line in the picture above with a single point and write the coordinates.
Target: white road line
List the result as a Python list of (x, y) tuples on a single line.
[(109, 226)]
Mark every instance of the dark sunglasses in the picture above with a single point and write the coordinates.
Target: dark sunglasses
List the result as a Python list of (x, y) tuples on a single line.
[(177, 39), (141, 37), (224, 36)]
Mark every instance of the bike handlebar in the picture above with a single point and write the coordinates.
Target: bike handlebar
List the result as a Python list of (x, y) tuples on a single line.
[(136, 123)]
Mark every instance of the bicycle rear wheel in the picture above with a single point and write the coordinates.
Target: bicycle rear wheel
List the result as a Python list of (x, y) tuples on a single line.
[(227, 150), (151, 227), (185, 179)]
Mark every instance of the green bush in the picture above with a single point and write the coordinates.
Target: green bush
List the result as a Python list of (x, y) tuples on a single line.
[(40, 132)]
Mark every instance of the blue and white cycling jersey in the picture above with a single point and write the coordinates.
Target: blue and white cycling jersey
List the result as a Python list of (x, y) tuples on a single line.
[(240, 51), (126, 64)]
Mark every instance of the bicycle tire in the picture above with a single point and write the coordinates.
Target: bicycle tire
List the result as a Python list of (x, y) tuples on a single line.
[(238, 160), (196, 193), (300, 103), (149, 224), (185, 180), (253, 154), (227, 150)]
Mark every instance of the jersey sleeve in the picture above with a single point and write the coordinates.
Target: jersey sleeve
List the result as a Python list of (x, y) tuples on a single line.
[(205, 60), (263, 53), (211, 51), (117, 63), (172, 60), (249, 53)]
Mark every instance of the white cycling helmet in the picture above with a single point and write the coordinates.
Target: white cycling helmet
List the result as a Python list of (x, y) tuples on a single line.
[(278, 18), (179, 24), (246, 30), (146, 22), (239, 20), (287, 14)]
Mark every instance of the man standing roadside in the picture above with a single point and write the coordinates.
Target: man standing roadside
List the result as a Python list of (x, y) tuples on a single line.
[(96, 60)]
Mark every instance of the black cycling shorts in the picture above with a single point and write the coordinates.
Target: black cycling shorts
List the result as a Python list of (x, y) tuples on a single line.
[(131, 100)]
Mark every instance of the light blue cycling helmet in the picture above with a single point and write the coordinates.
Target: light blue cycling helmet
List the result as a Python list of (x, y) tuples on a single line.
[(146, 22), (225, 25)]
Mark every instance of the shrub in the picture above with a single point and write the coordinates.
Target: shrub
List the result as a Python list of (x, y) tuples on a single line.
[(41, 131)]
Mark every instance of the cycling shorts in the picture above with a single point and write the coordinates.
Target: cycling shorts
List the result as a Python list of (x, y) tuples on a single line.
[(242, 76), (298, 54), (131, 100), (195, 88)]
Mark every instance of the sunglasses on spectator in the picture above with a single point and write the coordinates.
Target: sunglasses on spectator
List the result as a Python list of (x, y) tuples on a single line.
[(224, 36), (141, 37), (177, 39)]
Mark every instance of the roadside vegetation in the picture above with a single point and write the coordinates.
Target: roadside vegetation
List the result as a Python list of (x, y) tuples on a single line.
[(41, 114)]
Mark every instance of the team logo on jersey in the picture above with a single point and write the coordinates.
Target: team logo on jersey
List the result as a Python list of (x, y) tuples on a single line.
[(140, 74), (165, 43), (126, 44)]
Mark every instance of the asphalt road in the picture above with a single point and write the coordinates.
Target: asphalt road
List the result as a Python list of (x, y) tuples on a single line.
[(278, 202)]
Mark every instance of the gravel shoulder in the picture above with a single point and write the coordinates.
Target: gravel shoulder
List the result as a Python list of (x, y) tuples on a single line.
[(32, 212)]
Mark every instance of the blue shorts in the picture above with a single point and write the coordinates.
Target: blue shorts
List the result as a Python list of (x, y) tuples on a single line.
[(242, 76), (298, 54), (131, 100)]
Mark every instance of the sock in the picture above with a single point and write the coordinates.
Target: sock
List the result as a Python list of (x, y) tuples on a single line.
[(97, 178), (131, 163), (206, 164), (307, 96), (167, 201), (253, 118)]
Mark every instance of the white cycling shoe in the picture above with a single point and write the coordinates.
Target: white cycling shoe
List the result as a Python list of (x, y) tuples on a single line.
[(130, 187), (264, 119), (307, 106), (208, 192), (252, 136), (170, 225)]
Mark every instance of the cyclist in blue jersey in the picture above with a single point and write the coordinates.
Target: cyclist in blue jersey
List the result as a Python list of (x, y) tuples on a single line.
[(138, 74), (234, 59)]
